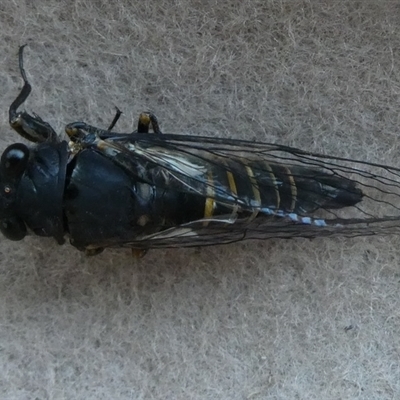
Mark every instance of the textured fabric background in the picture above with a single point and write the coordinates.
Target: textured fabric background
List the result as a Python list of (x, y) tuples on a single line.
[(293, 319)]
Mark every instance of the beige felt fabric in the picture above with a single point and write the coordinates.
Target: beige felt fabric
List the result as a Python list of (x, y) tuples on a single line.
[(268, 320)]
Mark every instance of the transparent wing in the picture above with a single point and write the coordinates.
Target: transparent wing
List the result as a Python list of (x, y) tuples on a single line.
[(256, 190)]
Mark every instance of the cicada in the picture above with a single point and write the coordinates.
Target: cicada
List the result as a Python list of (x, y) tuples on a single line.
[(147, 189)]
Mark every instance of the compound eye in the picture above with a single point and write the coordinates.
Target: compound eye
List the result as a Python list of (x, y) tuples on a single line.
[(13, 228), (14, 160)]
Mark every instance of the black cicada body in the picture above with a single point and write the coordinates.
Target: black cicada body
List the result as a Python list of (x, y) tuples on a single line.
[(151, 190)]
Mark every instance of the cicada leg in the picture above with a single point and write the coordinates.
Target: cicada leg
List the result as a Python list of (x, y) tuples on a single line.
[(32, 128), (77, 132), (116, 118), (145, 119)]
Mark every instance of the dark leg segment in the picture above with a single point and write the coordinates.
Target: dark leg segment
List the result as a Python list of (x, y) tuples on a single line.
[(116, 118), (32, 128)]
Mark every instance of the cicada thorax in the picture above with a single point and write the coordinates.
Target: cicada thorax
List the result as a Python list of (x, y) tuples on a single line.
[(106, 206)]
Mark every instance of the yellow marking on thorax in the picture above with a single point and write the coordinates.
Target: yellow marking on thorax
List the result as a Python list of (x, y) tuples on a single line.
[(293, 188), (275, 183), (256, 192), (210, 202)]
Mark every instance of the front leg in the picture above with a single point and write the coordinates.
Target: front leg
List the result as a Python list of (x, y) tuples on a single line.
[(82, 133), (145, 119), (32, 128)]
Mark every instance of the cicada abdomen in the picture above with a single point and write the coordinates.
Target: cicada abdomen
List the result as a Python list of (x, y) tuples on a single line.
[(261, 187)]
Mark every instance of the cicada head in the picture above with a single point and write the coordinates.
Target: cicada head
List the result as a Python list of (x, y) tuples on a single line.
[(32, 187), (13, 164)]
